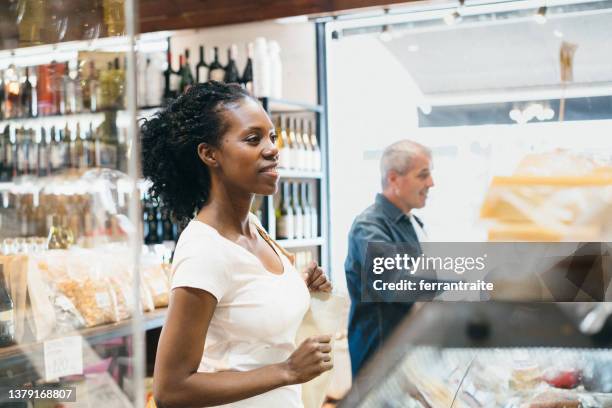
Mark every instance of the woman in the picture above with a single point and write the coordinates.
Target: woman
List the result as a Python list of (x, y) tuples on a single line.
[(237, 300)]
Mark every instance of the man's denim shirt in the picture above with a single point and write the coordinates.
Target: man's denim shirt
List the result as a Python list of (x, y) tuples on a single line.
[(371, 324)]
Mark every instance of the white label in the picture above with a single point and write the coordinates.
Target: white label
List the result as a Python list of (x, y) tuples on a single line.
[(217, 75), (313, 225), (284, 227), (307, 224), (103, 300), (284, 157), (63, 357), (298, 222)]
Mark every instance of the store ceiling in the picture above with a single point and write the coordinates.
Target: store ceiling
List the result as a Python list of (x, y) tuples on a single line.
[(464, 59)]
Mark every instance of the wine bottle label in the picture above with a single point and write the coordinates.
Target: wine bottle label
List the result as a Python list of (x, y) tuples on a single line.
[(283, 159), (202, 75), (284, 227), (298, 229), (307, 224), (217, 75), (314, 225)]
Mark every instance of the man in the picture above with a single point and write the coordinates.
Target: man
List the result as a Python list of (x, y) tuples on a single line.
[(406, 179)]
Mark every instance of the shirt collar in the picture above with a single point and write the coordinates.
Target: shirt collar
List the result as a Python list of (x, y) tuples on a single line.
[(389, 208)]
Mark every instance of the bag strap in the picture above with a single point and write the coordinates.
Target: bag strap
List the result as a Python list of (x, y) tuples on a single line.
[(270, 241)]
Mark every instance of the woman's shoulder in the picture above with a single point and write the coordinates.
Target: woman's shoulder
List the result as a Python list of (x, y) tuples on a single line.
[(198, 238)]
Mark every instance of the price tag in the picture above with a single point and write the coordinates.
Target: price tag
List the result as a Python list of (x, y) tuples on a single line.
[(63, 357)]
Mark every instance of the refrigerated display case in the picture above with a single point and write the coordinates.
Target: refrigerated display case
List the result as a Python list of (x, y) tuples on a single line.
[(510, 355)]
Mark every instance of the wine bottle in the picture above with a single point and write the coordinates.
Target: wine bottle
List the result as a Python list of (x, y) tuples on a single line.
[(247, 76), (306, 210), (276, 70), (284, 215), (216, 71), (78, 90), (56, 237), (309, 155), (186, 76), (43, 154), (145, 218), (26, 95), (293, 149), (118, 85), (151, 238), (298, 217), (114, 17), (168, 91), (55, 153), (66, 92), (45, 90), (282, 144), (8, 161), (90, 88), (175, 80), (2, 97), (168, 227), (314, 218), (316, 154), (3, 148), (7, 313), (11, 89), (300, 151), (32, 152), (232, 76), (22, 152), (202, 68)]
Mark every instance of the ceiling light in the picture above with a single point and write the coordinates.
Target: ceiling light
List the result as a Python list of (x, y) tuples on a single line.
[(540, 16)]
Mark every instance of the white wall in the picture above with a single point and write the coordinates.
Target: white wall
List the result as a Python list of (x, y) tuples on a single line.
[(298, 51), (371, 104)]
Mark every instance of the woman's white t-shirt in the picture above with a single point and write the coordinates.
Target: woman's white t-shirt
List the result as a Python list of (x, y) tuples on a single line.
[(257, 314)]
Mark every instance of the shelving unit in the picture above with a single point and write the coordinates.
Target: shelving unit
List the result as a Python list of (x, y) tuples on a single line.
[(33, 352), (282, 106), (96, 118)]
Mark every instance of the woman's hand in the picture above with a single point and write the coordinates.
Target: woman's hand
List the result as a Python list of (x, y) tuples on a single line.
[(309, 360), (316, 281)]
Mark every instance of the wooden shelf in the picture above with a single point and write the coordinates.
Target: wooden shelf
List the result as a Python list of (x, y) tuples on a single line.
[(23, 353), (299, 243)]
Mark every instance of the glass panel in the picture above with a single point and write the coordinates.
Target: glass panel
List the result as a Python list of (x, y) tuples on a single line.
[(70, 220)]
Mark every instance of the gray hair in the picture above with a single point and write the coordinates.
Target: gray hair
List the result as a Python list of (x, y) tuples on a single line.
[(398, 157)]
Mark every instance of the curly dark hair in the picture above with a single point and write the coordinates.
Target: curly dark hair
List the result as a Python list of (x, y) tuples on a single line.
[(170, 142)]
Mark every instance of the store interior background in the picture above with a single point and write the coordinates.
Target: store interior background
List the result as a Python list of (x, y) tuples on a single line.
[(381, 86), (433, 85)]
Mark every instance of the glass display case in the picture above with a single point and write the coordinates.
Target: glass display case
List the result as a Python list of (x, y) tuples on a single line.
[(509, 355), (77, 290)]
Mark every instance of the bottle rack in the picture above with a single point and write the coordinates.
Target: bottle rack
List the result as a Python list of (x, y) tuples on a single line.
[(317, 178)]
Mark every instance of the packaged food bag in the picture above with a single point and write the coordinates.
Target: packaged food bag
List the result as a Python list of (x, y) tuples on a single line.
[(324, 316)]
